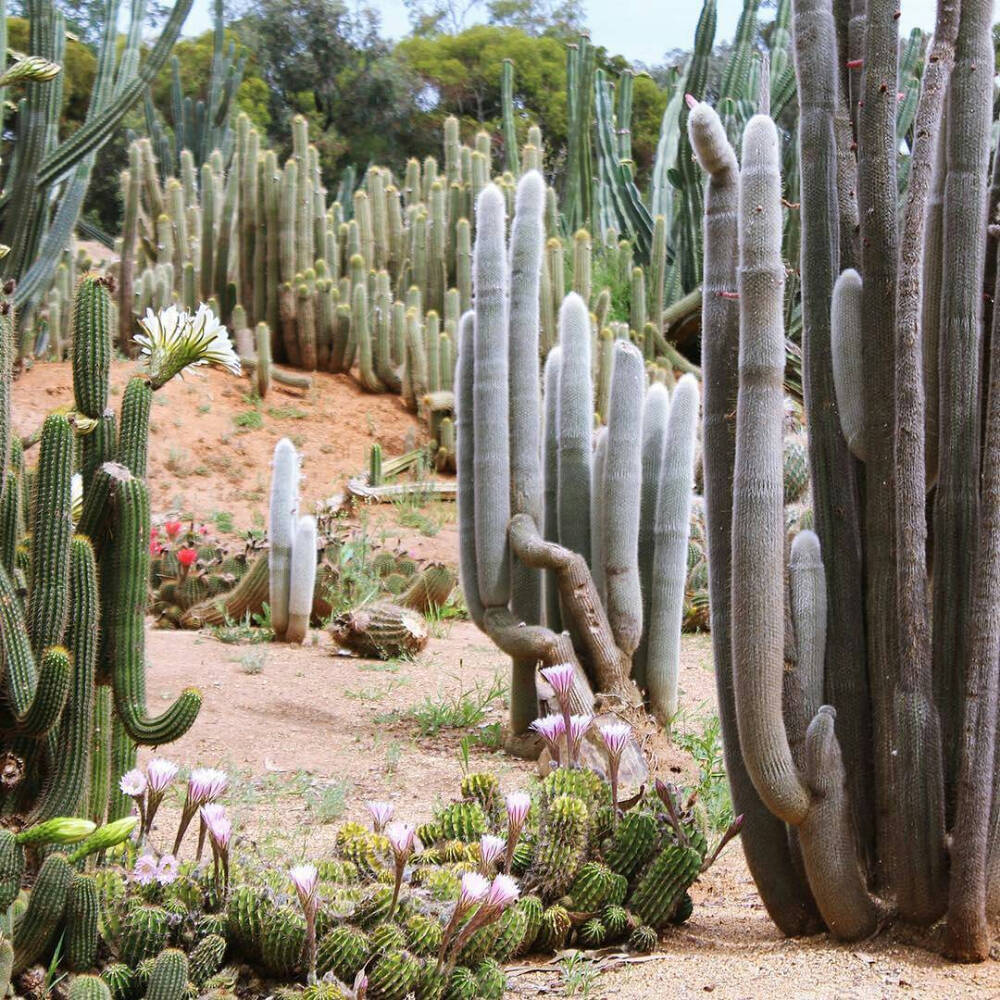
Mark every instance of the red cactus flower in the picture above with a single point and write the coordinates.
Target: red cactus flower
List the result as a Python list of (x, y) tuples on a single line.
[(173, 528), (155, 548), (187, 557), (154, 532)]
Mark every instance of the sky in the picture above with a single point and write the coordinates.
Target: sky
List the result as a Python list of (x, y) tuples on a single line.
[(640, 30)]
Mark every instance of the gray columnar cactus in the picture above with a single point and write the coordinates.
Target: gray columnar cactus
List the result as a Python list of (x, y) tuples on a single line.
[(303, 579), (281, 531), (870, 737), (671, 526), (575, 529)]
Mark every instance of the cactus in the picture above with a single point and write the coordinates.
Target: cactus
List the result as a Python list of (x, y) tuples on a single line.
[(501, 503), (36, 929), (284, 510), (168, 978), (303, 580), (869, 797)]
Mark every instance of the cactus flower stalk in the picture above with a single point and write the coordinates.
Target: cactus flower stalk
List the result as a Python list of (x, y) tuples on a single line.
[(305, 878), (401, 839), (615, 737), (518, 805)]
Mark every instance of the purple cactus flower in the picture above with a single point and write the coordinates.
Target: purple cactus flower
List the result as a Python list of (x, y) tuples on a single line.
[(474, 889), (305, 878), (550, 728), (205, 785), (518, 807), (503, 892), (561, 678), (160, 774), (491, 850), (615, 736), (578, 727), (401, 840), (381, 813)]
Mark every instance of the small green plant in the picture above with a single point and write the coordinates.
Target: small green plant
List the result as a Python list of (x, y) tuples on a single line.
[(286, 413), (223, 522), (393, 755), (326, 804), (249, 420), (705, 746), (252, 662), (579, 975), (451, 711)]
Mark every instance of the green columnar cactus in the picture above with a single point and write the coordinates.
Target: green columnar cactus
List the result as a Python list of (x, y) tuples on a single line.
[(126, 270), (361, 329), (89, 988), (40, 922), (582, 251), (51, 531), (281, 531), (168, 979), (129, 580), (81, 935)]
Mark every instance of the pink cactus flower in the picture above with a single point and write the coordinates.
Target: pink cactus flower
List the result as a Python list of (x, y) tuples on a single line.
[(133, 783), (502, 893), (561, 678), (491, 849), (550, 728), (206, 784), (146, 870), (160, 772), (518, 806), (167, 870), (474, 889), (401, 838), (305, 878), (381, 813)]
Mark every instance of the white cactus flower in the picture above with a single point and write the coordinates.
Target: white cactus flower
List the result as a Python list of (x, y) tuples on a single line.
[(173, 341)]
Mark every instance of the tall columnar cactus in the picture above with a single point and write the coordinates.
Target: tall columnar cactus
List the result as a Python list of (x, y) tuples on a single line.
[(872, 803), (74, 645), (281, 530), (508, 516)]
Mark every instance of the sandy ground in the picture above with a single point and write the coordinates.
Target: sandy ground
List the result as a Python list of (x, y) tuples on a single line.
[(309, 736)]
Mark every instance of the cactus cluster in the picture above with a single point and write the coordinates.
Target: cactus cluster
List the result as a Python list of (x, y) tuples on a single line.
[(857, 675), (571, 869), (76, 583), (40, 213), (583, 537)]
